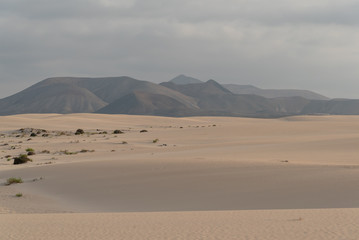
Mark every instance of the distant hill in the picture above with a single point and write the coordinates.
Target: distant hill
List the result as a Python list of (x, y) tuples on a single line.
[(214, 99), (125, 95), (196, 89), (334, 106), (273, 93), (142, 103), (51, 98), (183, 79), (74, 95)]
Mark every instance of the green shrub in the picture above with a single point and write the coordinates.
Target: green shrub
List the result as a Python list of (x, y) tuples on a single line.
[(18, 195), (155, 140), (85, 151), (117, 132), (30, 151), (13, 180)]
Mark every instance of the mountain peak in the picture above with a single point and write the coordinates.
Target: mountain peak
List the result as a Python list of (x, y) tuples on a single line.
[(183, 79)]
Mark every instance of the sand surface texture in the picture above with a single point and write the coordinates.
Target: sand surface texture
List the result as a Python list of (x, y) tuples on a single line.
[(182, 178)]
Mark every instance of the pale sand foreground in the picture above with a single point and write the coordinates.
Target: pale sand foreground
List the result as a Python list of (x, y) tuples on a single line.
[(198, 164), (265, 224)]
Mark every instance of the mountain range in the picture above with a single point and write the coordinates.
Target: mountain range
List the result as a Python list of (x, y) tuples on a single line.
[(181, 96)]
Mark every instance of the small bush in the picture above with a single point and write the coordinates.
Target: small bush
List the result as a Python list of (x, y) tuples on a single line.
[(143, 131), (21, 159), (85, 151), (18, 195), (13, 180), (33, 135), (124, 142), (30, 151), (79, 131), (117, 132), (155, 140)]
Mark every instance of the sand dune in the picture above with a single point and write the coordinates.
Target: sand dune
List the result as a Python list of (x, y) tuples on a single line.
[(248, 225), (220, 166)]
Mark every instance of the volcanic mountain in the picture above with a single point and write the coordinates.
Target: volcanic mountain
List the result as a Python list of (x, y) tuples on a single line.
[(182, 96), (77, 95)]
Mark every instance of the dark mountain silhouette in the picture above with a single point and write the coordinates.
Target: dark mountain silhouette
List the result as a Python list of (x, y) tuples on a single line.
[(125, 95), (273, 93)]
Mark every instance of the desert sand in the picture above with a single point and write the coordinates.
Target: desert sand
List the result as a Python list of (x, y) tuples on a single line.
[(184, 178)]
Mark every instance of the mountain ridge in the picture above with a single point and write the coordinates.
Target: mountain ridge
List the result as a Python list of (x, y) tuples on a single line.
[(126, 95)]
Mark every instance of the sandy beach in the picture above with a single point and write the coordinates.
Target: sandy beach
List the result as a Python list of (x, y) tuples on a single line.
[(181, 178)]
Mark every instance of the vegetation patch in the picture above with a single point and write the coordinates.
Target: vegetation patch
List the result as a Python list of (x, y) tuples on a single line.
[(13, 180), (155, 140), (85, 151), (143, 131), (79, 131), (22, 158), (18, 195), (66, 152), (30, 151), (117, 131)]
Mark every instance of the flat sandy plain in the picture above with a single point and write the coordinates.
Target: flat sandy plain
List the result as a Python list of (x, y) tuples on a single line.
[(204, 178)]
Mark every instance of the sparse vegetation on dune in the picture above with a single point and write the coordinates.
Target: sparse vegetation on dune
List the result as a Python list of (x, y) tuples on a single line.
[(13, 180), (79, 131), (66, 152), (30, 151), (21, 159), (85, 151)]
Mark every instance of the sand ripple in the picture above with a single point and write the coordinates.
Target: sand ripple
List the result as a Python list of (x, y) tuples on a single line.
[(259, 224)]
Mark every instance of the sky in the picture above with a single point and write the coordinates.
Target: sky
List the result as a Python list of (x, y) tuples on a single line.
[(300, 44)]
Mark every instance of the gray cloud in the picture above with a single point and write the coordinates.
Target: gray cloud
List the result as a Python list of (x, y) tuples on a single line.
[(276, 44)]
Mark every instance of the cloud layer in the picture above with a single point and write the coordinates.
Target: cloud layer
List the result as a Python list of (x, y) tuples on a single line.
[(271, 44)]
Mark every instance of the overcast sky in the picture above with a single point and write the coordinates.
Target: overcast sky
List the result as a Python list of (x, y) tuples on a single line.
[(271, 44)]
